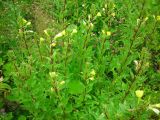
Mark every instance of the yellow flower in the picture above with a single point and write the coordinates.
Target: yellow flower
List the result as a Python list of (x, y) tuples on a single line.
[(24, 21), (91, 78), (52, 74), (106, 6), (113, 14), (62, 82), (137, 64), (146, 19), (98, 14), (52, 89), (53, 44), (74, 31), (93, 73), (103, 31), (60, 34), (139, 93), (41, 40), (46, 32), (28, 23), (63, 32), (158, 18), (89, 17), (156, 105), (108, 33), (114, 5), (91, 25)]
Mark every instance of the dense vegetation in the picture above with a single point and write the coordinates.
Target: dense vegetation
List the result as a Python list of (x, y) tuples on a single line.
[(79, 59)]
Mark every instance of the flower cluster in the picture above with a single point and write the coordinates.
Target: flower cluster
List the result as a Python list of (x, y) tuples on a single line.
[(92, 74), (53, 75), (108, 33)]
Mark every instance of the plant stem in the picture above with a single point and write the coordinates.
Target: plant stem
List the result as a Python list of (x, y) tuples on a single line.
[(39, 50), (136, 30), (133, 82), (24, 39)]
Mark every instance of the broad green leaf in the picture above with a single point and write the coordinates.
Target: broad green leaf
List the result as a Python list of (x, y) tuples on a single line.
[(75, 87)]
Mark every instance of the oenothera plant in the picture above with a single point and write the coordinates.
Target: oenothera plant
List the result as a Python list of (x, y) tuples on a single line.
[(92, 67)]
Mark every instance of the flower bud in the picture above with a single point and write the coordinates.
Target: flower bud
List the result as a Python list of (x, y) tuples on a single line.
[(46, 32), (74, 31), (139, 93), (98, 14), (146, 19), (113, 14), (93, 73), (108, 33), (53, 74), (158, 18), (60, 34), (103, 31), (91, 78), (41, 40), (53, 44), (62, 82), (28, 24), (91, 25)]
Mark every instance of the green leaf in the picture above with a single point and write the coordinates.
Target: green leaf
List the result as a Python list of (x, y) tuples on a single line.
[(4, 86), (71, 27), (75, 87), (22, 117), (1, 61)]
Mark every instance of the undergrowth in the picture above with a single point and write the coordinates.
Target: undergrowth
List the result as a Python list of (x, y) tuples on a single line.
[(80, 60)]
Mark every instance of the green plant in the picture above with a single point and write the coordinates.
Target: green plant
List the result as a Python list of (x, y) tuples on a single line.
[(96, 62)]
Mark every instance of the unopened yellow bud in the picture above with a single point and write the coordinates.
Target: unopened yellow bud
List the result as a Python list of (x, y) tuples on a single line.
[(24, 21), (45, 31), (91, 78), (93, 73), (28, 24), (62, 82), (158, 18), (52, 74), (89, 17), (103, 31), (156, 105), (74, 31), (41, 40), (53, 44), (108, 33), (63, 32), (60, 34), (106, 6), (98, 14), (91, 25), (52, 89), (113, 14), (146, 19), (114, 5)]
